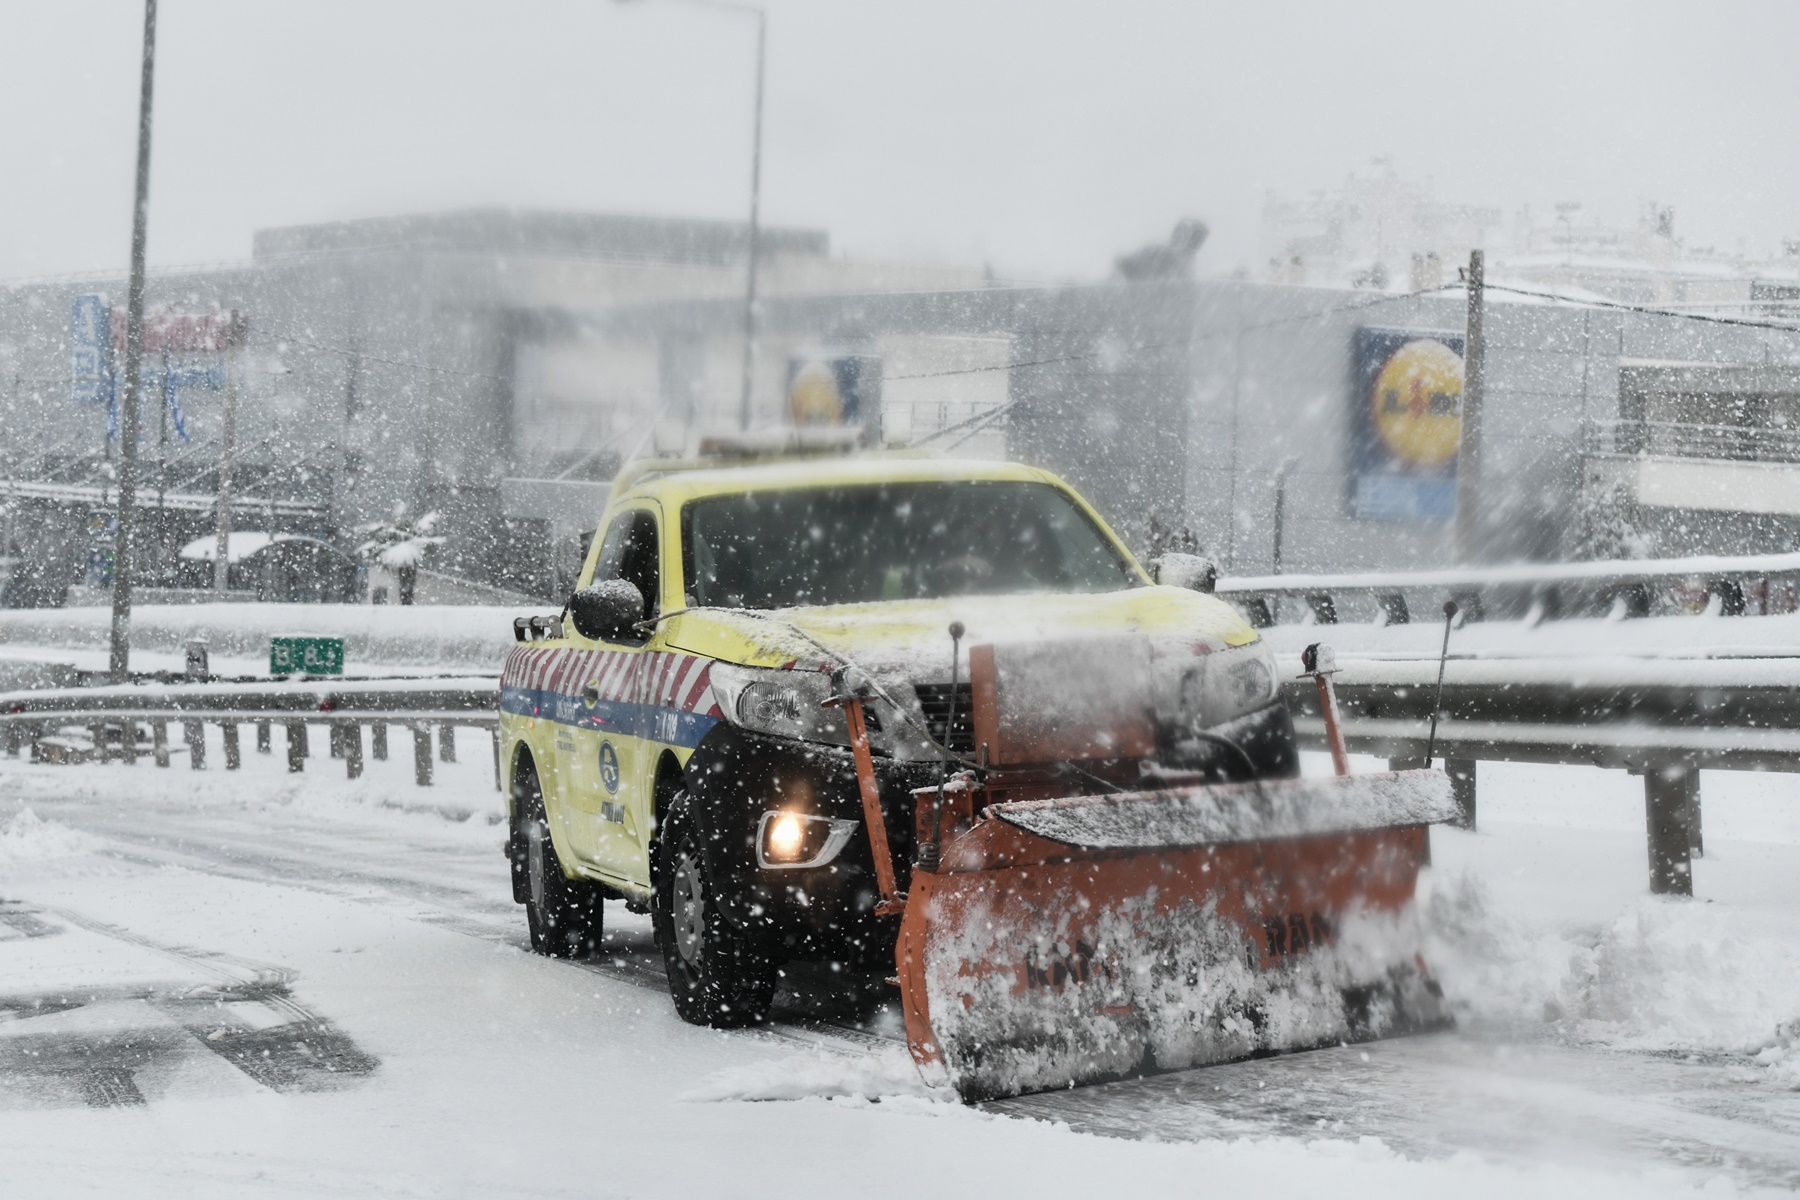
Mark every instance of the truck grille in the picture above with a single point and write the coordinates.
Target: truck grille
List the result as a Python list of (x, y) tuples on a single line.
[(934, 698)]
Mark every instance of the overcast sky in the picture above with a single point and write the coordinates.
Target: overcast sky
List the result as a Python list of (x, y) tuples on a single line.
[(1042, 138)]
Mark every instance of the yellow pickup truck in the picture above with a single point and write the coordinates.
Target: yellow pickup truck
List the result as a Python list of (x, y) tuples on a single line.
[(668, 742)]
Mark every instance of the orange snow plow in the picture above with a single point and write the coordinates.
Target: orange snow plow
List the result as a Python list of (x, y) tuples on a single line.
[(1148, 922)]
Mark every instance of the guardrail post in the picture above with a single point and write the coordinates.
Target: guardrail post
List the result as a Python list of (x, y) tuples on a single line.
[(234, 756), (422, 755), (499, 782), (128, 741), (1324, 608), (159, 740), (1696, 844), (1393, 608), (12, 739), (1666, 819), (194, 734), (98, 734), (263, 744), (378, 740), (353, 758), (1256, 611), (1462, 789), (334, 740), (447, 743), (296, 745)]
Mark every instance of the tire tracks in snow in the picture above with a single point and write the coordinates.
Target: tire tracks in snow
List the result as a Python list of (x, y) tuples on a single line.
[(329, 859)]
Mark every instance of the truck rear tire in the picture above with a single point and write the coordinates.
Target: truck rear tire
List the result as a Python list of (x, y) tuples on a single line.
[(565, 915), (718, 975)]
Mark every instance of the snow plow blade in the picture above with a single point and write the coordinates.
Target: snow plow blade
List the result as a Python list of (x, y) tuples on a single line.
[(1081, 939)]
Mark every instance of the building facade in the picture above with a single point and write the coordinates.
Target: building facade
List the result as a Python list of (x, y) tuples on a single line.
[(495, 368)]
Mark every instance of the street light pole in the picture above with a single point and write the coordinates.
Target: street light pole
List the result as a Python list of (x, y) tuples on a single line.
[(120, 663), (755, 239), (762, 26)]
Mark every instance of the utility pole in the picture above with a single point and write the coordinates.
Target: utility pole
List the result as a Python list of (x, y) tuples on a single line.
[(120, 663), (1281, 476), (1237, 384), (1468, 455), (762, 27)]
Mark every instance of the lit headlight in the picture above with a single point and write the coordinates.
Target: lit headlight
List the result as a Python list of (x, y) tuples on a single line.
[(791, 840), (785, 703), (1228, 684)]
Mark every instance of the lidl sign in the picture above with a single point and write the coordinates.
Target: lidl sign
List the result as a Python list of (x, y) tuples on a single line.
[(306, 656), (1406, 425)]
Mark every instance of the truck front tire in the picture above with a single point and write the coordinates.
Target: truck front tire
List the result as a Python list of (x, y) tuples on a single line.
[(718, 975)]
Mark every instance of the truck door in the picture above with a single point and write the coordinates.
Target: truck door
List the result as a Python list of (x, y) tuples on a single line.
[(609, 735)]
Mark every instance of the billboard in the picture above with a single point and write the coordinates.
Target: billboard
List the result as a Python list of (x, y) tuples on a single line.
[(167, 330), (90, 365), (1405, 424)]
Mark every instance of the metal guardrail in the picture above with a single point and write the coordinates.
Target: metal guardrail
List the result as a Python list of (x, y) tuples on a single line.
[(104, 723), (1558, 588), (1736, 714), (1664, 719)]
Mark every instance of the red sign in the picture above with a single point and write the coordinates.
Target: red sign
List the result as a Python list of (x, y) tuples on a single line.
[(166, 329)]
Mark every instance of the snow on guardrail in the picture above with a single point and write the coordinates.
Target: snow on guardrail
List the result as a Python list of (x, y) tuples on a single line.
[(1646, 570), (443, 636)]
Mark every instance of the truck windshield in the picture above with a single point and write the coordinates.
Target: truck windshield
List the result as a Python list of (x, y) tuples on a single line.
[(898, 541)]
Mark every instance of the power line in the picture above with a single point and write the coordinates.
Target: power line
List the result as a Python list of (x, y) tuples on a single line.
[(1645, 309)]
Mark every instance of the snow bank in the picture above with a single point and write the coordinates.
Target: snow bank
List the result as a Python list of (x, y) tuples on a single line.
[(883, 1074), (29, 838), (1678, 976), (1664, 976), (455, 637)]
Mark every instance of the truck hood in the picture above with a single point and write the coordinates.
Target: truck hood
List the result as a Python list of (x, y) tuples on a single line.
[(911, 638)]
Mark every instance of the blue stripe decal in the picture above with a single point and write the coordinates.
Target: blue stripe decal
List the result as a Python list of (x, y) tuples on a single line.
[(673, 726)]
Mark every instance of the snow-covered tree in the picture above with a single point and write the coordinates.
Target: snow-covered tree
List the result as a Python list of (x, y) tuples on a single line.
[(402, 546)]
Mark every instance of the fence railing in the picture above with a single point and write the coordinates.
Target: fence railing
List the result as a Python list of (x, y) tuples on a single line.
[(127, 722), (1677, 439)]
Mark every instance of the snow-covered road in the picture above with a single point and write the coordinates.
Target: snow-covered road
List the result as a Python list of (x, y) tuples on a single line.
[(263, 984)]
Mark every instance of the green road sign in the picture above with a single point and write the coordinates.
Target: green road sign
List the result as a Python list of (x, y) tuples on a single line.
[(306, 656)]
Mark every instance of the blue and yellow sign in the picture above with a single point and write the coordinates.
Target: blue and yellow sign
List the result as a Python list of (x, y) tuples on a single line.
[(1406, 425), (609, 767)]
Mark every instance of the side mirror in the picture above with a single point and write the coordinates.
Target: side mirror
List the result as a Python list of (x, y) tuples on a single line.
[(1185, 571), (606, 611)]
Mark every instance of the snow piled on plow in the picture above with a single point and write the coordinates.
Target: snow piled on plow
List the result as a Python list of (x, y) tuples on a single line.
[(1223, 814), (1162, 990)]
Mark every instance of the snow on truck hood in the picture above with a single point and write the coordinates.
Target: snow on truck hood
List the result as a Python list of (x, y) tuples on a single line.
[(911, 636)]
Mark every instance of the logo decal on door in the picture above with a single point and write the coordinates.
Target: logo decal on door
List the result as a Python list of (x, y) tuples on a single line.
[(609, 766)]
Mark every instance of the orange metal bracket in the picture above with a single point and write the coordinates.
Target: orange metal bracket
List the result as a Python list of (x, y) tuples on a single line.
[(892, 903), (1334, 732)]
